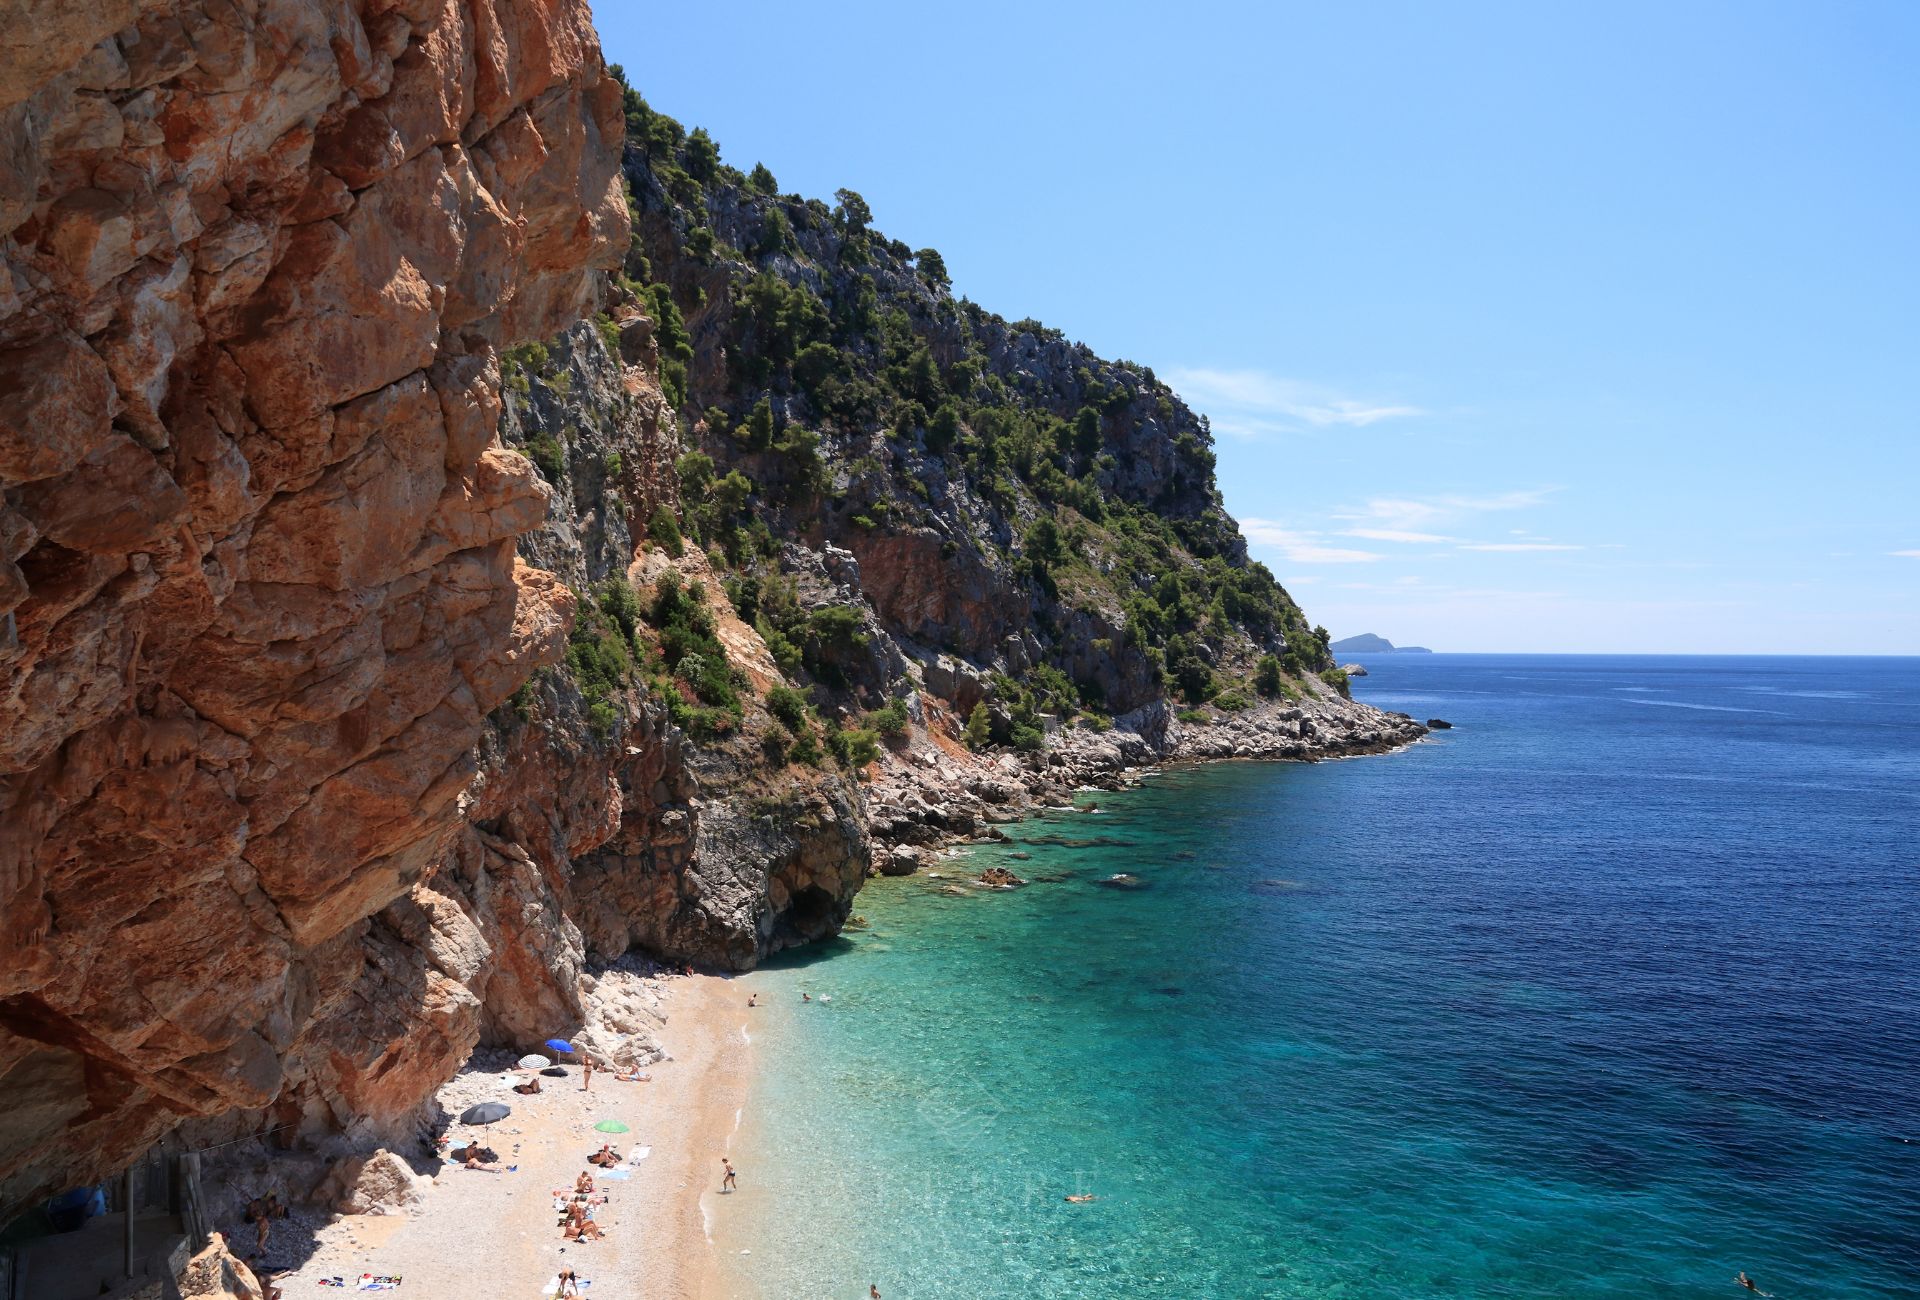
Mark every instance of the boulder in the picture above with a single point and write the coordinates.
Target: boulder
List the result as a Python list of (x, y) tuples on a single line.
[(381, 1183), (902, 860), (1439, 724), (215, 1274)]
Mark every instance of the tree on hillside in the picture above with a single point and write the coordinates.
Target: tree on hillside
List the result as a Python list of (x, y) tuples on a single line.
[(702, 156), (853, 211), (933, 267)]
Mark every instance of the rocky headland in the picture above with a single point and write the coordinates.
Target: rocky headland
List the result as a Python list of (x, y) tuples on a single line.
[(447, 552)]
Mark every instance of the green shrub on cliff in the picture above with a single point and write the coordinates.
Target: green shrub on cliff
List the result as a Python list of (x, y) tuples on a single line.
[(850, 747), (805, 750), (602, 719), (599, 662), (664, 530), (788, 705), (545, 452), (890, 720), (693, 657), (979, 726), (1266, 676)]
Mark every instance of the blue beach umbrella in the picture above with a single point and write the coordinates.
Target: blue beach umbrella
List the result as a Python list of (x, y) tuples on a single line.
[(559, 1045)]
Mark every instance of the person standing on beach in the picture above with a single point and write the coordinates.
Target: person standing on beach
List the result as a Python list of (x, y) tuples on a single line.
[(586, 1077), (728, 1184)]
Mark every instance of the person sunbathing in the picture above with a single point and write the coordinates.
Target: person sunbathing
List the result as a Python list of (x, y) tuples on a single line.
[(580, 1227), (632, 1075), (528, 1089), (584, 1183), (606, 1157)]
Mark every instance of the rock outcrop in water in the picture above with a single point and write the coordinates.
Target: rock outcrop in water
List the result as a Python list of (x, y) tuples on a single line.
[(398, 620)]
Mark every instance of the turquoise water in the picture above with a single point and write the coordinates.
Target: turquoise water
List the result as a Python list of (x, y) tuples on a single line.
[(1609, 992)]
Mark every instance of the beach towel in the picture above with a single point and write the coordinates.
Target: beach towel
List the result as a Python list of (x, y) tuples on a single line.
[(639, 1154), (618, 1175)]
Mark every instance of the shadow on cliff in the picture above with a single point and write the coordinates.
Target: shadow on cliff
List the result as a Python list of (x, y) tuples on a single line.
[(812, 954)]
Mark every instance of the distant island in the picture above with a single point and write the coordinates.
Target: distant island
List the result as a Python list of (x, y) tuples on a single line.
[(1369, 644)]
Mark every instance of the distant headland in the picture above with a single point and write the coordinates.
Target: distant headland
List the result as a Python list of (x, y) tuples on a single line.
[(1369, 644)]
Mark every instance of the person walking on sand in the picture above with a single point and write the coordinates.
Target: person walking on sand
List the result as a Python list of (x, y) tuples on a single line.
[(728, 1184)]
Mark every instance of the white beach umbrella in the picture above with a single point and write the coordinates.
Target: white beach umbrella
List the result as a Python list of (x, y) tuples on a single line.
[(534, 1062)]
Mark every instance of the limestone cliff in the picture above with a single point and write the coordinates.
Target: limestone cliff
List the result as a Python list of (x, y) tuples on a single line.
[(258, 586)]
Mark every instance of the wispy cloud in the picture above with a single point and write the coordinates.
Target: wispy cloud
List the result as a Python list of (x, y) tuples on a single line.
[(1396, 535), (1911, 555), (1250, 403), (1415, 514), (1301, 547), (1519, 546)]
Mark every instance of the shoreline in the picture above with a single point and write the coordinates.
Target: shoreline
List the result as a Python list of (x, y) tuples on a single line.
[(665, 1237)]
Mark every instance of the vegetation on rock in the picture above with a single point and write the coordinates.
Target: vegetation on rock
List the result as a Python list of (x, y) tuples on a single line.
[(836, 391)]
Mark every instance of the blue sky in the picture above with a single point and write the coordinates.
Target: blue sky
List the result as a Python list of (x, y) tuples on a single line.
[(1521, 326)]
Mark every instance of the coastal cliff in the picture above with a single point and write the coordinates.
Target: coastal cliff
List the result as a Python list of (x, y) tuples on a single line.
[(444, 550), (258, 586)]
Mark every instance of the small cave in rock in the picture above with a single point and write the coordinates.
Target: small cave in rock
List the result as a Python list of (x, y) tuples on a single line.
[(812, 915)]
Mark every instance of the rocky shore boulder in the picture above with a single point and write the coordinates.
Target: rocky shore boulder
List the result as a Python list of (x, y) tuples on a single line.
[(380, 1183)]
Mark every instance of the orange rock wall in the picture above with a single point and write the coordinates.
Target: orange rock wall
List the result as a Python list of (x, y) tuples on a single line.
[(258, 589)]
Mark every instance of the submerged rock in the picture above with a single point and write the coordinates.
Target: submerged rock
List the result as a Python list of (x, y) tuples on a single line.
[(1123, 880)]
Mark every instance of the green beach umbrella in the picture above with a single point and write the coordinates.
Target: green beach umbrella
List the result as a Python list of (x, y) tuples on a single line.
[(611, 1126)]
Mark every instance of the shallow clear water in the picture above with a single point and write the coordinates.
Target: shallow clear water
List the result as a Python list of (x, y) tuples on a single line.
[(1609, 992)]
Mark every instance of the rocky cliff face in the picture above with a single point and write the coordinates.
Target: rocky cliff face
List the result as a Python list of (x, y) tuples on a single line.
[(258, 585), (399, 621)]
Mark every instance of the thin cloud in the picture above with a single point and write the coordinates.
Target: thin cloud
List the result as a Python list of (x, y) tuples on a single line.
[(1519, 546), (1396, 535), (1911, 555), (1416, 514), (1301, 547), (1252, 403)]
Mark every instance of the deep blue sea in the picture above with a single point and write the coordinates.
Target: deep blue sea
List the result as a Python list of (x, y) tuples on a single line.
[(1611, 991)]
